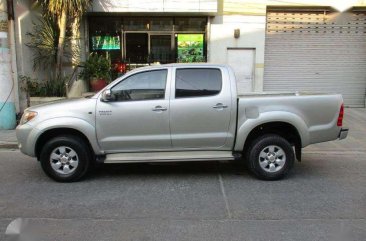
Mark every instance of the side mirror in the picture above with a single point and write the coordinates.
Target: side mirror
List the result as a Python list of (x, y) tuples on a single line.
[(107, 96)]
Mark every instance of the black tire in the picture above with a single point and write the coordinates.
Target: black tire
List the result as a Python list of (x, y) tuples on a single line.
[(258, 164), (83, 157)]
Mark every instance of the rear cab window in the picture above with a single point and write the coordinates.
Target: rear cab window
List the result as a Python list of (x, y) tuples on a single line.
[(197, 82)]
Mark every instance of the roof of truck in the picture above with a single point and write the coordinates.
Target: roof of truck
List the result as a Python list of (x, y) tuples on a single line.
[(181, 65)]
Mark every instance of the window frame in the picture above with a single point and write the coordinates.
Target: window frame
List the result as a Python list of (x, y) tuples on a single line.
[(194, 68), (140, 72)]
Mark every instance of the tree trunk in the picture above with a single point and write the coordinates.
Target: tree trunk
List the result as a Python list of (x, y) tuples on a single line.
[(61, 42), (75, 42)]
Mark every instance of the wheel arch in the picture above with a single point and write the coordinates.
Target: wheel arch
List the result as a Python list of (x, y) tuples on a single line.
[(283, 129), (50, 133)]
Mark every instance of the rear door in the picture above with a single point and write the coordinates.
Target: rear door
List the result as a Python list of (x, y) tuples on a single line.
[(200, 108)]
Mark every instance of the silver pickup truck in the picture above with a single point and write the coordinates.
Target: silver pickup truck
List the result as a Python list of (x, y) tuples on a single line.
[(178, 112)]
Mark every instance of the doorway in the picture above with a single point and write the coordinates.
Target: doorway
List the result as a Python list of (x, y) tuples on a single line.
[(242, 61), (137, 47), (161, 49)]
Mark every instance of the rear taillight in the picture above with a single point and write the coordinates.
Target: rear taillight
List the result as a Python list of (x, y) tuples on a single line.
[(340, 116)]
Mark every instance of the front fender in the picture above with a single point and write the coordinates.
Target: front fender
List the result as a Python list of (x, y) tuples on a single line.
[(64, 122), (247, 125)]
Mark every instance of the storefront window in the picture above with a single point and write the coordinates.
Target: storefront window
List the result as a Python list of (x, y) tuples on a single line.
[(146, 40), (106, 42), (190, 48), (105, 36)]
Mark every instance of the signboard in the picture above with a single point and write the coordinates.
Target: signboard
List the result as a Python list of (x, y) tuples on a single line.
[(190, 48), (106, 43)]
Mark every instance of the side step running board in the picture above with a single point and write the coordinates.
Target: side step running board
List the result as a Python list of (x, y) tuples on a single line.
[(169, 156)]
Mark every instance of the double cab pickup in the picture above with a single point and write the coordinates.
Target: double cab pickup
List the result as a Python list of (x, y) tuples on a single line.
[(178, 112)]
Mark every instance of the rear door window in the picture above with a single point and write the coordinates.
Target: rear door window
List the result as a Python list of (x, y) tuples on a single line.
[(197, 82)]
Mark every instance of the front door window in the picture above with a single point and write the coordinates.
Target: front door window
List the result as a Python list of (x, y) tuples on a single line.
[(148, 85)]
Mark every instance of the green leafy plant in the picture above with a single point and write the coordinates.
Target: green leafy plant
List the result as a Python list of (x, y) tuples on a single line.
[(96, 67), (43, 40), (65, 12), (36, 88)]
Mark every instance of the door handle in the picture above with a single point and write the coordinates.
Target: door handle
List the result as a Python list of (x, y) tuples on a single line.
[(219, 106), (159, 108)]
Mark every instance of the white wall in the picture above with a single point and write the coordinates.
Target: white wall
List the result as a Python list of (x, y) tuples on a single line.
[(7, 82), (161, 6), (252, 35)]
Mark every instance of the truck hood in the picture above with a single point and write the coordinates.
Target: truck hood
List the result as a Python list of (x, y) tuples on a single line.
[(83, 108), (65, 105)]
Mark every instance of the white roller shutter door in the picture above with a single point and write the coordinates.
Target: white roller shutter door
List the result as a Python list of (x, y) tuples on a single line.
[(319, 51)]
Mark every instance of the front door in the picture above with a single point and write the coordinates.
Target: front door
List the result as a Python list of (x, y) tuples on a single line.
[(200, 109), (161, 49), (137, 47), (137, 119)]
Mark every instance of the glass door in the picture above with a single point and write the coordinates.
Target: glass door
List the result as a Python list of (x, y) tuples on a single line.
[(161, 50), (137, 47)]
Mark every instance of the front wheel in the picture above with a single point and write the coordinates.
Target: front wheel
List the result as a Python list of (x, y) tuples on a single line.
[(65, 158), (270, 157)]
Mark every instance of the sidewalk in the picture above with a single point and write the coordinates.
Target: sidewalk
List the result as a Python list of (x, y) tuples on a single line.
[(355, 119), (8, 139)]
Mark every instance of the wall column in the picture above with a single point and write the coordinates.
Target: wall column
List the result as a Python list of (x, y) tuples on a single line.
[(7, 84)]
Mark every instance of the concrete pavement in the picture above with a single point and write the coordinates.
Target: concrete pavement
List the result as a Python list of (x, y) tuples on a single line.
[(8, 139), (323, 198)]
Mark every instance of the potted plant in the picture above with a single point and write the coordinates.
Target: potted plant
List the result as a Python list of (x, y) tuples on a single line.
[(96, 71)]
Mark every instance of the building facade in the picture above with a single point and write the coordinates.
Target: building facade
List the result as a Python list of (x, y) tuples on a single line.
[(297, 45)]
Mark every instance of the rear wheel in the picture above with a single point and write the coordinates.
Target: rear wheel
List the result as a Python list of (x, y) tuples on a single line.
[(65, 158), (270, 157)]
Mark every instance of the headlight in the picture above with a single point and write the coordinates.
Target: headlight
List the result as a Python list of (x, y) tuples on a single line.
[(27, 116)]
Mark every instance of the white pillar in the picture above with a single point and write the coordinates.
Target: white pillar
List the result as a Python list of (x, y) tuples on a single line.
[(7, 85)]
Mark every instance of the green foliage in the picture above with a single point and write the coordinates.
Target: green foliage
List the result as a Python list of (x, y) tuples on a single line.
[(43, 40), (96, 66), (51, 87), (73, 8), (63, 14)]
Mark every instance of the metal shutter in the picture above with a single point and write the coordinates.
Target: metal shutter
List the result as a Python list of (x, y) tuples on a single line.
[(317, 51)]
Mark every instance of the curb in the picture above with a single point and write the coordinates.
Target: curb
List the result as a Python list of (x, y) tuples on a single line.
[(9, 145)]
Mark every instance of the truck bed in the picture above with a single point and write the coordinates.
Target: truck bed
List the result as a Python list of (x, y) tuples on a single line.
[(313, 114)]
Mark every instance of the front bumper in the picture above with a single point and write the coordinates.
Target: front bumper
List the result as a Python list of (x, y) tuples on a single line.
[(25, 138), (343, 133)]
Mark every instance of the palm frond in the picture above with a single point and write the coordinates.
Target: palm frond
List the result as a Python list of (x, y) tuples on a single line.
[(74, 8), (43, 40)]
